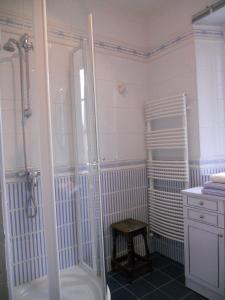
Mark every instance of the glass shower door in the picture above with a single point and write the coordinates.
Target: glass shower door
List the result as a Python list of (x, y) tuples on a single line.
[(50, 169), (76, 167)]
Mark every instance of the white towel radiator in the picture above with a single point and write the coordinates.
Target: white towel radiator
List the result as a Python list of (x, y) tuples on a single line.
[(167, 164)]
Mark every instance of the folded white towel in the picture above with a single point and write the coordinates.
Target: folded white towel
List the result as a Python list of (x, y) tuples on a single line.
[(214, 185), (219, 177)]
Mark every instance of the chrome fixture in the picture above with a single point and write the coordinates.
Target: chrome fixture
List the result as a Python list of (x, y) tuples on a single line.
[(9, 45), (25, 43), (24, 46), (31, 183)]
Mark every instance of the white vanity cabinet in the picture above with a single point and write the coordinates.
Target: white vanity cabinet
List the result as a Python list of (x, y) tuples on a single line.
[(204, 243)]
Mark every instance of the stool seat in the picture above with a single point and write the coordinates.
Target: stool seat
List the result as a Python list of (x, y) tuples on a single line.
[(131, 263), (128, 226)]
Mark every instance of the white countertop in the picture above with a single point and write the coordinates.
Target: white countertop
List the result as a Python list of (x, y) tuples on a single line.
[(197, 192)]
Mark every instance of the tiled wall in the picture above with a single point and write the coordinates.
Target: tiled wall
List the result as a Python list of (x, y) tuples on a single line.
[(210, 68), (121, 124), (120, 116), (200, 171), (172, 72), (123, 196)]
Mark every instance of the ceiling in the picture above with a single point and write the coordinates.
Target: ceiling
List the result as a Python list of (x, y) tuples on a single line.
[(141, 7)]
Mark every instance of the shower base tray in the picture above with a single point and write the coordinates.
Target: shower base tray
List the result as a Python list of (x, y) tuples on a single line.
[(76, 284)]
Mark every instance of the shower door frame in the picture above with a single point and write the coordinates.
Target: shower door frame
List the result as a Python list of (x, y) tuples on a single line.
[(42, 89)]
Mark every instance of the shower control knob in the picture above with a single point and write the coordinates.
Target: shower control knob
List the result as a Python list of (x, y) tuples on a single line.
[(220, 235), (27, 112)]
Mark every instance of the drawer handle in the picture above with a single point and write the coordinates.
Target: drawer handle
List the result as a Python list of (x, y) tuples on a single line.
[(220, 235), (201, 216), (201, 203)]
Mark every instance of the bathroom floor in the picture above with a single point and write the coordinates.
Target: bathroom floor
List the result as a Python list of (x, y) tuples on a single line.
[(165, 282)]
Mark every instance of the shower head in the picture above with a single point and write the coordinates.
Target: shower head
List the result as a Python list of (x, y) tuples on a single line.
[(9, 46)]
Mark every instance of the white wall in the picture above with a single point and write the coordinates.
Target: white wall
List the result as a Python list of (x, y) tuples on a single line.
[(121, 123), (173, 19), (210, 66), (173, 72)]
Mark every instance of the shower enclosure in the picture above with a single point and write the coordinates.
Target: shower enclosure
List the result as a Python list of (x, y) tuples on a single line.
[(50, 176)]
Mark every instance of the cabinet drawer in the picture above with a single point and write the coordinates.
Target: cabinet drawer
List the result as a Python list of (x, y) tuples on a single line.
[(205, 217), (203, 203)]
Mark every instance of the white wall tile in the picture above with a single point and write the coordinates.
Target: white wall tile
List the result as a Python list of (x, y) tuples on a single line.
[(131, 146), (210, 62), (108, 146), (130, 120)]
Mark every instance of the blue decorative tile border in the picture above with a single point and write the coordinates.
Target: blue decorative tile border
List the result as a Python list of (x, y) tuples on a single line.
[(201, 170), (184, 36), (123, 49)]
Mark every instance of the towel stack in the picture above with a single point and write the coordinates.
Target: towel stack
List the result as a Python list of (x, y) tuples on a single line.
[(216, 186)]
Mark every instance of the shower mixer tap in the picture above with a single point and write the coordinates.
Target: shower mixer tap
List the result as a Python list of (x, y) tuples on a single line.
[(31, 176), (31, 183), (25, 43)]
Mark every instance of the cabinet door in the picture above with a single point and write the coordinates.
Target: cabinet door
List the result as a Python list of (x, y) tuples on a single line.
[(204, 255)]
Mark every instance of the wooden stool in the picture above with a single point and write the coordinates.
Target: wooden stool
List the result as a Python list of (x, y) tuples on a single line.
[(135, 262)]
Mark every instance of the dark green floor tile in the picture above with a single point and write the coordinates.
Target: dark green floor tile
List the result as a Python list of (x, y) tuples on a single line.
[(121, 278), (157, 278), (181, 279), (113, 284), (160, 262), (194, 296), (140, 287), (175, 290), (173, 270), (122, 294), (156, 295)]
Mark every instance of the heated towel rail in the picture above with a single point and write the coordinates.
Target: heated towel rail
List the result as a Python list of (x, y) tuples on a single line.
[(167, 164)]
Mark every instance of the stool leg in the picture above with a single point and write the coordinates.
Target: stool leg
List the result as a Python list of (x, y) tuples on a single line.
[(144, 234), (130, 248), (114, 234)]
